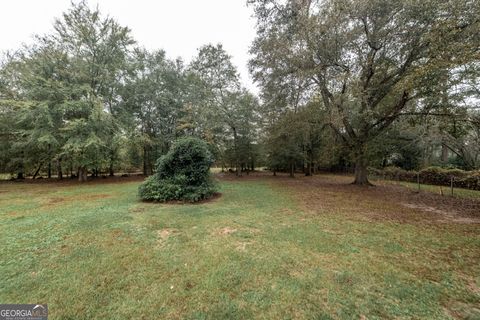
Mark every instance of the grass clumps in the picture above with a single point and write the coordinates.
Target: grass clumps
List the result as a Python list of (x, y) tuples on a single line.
[(182, 174)]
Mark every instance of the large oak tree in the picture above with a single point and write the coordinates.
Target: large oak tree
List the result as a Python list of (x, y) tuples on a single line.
[(370, 61)]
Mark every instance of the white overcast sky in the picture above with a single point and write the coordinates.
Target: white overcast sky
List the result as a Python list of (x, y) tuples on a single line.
[(179, 27)]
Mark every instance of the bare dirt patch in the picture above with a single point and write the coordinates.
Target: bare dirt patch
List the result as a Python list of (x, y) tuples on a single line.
[(226, 231), (461, 310), (137, 209), (242, 246), (13, 213), (448, 216), (164, 234), (95, 196), (54, 201)]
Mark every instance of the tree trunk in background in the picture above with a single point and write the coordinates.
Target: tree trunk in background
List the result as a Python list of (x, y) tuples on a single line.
[(309, 169), (147, 164), (82, 174), (38, 170), (292, 170), (361, 170), (145, 161), (427, 154), (49, 170), (112, 160), (110, 169), (237, 164), (20, 173), (59, 169), (384, 162), (444, 154)]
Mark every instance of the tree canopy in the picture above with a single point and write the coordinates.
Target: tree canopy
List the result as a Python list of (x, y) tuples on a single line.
[(343, 85), (367, 63), (86, 99)]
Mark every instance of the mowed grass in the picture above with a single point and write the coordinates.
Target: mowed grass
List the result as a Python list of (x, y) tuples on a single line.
[(96, 251)]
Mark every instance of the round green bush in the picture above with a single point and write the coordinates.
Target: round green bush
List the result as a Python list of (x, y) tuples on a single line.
[(182, 174)]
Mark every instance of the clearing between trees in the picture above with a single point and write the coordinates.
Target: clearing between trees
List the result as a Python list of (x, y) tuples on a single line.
[(269, 247)]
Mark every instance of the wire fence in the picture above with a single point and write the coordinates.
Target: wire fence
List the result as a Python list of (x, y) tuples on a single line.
[(451, 190)]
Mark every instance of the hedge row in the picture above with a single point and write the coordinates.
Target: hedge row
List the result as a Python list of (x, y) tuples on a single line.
[(433, 175)]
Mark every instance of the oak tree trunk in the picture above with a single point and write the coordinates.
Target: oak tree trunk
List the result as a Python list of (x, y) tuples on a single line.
[(361, 170), (82, 174)]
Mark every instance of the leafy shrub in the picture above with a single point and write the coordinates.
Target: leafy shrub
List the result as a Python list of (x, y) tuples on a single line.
[(396, 173), (472, 181), (182, 174), (440, 176)]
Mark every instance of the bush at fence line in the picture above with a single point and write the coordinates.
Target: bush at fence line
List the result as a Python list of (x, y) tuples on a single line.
[(440, 176), (472, 181), (432, 175)]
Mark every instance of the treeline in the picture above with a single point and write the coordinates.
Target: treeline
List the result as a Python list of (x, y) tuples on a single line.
[(344, 85), (86, 99)]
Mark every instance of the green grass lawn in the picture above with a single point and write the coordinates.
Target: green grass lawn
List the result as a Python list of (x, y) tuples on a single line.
[(96, 251)]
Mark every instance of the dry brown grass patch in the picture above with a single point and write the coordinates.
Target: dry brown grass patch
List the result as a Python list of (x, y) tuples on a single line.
[(226, 231), (164, 234), (326, 194)]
